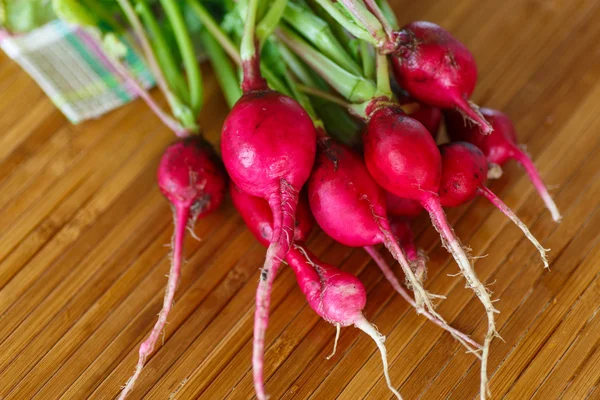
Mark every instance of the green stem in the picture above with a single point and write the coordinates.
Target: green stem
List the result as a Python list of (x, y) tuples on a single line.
[(331, 109), (251, 64), (381, 17), (338, 30), (222, 68), (389, 14), (274, 81), (297, 67), (184, 42), (348, 24), (181, 112), (242, 6), (320, 35), (366, 56), (323, 95), (248, 48), (302, 99), (365, 18), (306, 75), (260, 9), (166, 119), (164, 54), (383, 76), (215, 30), (270, 21), (354, 88)]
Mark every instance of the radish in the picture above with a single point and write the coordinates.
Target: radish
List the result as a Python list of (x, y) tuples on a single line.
[(336, 296), (342, 194), (464, 173), (258, 216), (401, 207), (400, 212), (436, 69), (268, 145), (404, 234), (191, 177), (403, 158), (499, 147), (429, 116)]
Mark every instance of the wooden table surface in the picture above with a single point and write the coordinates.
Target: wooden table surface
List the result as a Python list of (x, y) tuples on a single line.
[(83, 252)]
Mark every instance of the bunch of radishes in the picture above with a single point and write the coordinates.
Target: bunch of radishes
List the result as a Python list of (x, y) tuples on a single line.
[(318, 67)]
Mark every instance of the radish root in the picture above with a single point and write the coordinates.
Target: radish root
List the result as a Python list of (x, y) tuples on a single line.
[(420, 266), (338, 328), (452, 244), (491, 196), (523, 159), (470, 111), (283, 207), (147, 347), (379, 339), (471, 346), (422, 297)]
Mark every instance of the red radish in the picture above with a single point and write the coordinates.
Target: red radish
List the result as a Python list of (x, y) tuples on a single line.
[(258, 216), (342, 194), (499, 147), (404, 234), (191, 177), (401, 207), (429, 116), (464, 173), (436, 69), (403, 158), (400, 212), (336, 296), (268, 145)]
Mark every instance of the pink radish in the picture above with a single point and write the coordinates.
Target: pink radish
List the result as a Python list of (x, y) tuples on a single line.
[(436, 69), (258, 216), (400, 212), (403, 158), (342, 194), (268, 147), (429, 116), (404, 234), (336, 296), (191, 177), (499, 147), (401, 207), (268, 144), (464, 169)]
